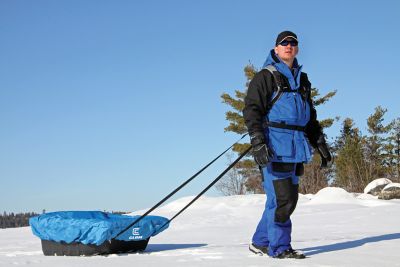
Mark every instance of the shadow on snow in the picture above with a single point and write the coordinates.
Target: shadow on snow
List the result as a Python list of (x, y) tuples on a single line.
[(165, 247), (349, 244)]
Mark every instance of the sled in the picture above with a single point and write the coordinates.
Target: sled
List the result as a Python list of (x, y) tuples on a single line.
[(88, 233)]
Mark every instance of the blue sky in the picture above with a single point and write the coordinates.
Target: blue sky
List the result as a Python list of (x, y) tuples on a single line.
[(111, 104)]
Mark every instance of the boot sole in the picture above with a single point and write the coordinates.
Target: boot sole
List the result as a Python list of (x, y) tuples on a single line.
[(256, 250), (293, 256)]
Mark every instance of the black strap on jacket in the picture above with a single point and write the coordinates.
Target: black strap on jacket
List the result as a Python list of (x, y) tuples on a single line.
[(283, 125), (280, 90), (280, 85)]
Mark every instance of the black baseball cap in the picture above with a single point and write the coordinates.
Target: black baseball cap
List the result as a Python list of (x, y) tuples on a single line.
[(285, 34)]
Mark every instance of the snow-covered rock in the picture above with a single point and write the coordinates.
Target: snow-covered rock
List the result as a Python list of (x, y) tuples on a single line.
[(333, 195), (376, 186), (364, 196), (390, 191)]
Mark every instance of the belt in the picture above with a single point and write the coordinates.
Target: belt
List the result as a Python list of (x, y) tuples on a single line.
[(283, 125)]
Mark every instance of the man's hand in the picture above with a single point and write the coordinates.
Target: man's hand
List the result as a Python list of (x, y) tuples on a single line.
[(324, 152), (261, 153)]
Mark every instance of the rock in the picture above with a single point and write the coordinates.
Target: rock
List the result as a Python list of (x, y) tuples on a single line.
[(390, 191), (329, 195), (376, 186)]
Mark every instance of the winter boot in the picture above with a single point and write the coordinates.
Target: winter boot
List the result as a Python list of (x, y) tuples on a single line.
[(260, 250), (290, 254)]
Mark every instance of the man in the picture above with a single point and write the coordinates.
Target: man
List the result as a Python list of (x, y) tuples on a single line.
[(282, 124)]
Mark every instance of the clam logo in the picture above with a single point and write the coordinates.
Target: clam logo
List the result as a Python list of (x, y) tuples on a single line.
[(135, 234), (135, 231)]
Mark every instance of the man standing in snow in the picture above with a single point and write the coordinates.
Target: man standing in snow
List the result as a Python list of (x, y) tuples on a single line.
[(282, 124)]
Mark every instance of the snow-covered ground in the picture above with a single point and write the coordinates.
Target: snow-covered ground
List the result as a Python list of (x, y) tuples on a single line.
[(333, 228)]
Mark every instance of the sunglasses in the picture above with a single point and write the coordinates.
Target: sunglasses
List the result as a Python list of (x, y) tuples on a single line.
[(286, 42)]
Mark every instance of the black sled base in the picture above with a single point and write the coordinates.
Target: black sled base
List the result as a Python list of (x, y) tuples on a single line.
[(52, 248)]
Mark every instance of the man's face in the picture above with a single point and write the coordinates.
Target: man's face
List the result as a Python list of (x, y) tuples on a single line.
[(288, 52)]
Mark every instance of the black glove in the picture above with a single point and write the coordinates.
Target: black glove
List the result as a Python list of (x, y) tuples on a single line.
[(261, 153), (323, 151)]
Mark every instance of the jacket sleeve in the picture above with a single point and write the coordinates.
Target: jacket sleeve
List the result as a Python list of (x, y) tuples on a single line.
[(256, 101), (313, 128)]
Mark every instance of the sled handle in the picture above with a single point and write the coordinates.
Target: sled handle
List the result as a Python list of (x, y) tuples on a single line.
[(181, 186)]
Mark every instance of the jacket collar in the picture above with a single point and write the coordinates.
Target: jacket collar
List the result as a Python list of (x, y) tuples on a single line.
[(293, 77)]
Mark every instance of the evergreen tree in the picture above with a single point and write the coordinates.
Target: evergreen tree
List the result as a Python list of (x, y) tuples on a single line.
[(348, 130), (350, 161), (376, 144), (361, 159), (393, 148), (247, 167)]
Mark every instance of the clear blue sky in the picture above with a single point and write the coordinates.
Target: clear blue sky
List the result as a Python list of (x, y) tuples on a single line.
[(111, 104)]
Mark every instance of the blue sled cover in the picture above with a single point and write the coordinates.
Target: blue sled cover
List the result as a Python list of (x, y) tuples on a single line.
[(93, 227)]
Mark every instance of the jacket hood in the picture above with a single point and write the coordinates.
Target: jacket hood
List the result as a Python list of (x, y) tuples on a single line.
[(293, 78)]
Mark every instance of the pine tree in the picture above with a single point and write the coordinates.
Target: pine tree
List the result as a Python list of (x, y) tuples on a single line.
[(376, 144), (393, 148), (361, 159), (350, 161), (247, 167)]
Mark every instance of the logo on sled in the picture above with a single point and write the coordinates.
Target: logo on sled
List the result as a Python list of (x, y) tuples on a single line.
[(135, 234)]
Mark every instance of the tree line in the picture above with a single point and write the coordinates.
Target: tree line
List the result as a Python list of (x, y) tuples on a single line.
[(11, 220), (358, 158)]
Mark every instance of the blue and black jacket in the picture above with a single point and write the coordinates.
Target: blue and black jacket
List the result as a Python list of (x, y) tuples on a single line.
[(293, 107)]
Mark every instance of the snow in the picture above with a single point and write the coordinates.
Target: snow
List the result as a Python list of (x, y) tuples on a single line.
[(333, 195), (375, 183), (337, 195), (333, 228)]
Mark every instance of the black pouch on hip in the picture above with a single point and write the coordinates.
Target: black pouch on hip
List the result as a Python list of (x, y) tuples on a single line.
[(299, 169)]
